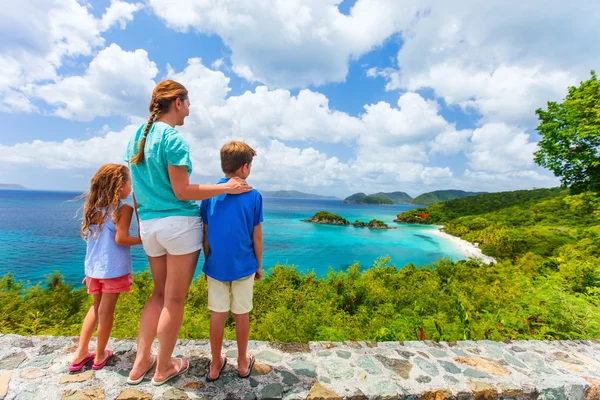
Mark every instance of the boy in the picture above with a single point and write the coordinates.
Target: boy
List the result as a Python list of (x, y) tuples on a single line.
[(233, 248)]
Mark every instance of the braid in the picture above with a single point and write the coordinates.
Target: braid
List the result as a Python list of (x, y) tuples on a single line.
[(154, 111)]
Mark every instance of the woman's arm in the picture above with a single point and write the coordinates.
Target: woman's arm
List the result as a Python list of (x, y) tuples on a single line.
[(122, 238), (184, 190), (257, 241)]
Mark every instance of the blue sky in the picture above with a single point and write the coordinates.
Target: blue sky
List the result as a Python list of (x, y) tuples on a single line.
[(336, 98)]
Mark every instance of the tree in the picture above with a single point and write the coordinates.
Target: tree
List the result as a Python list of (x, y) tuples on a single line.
[(570, 145)]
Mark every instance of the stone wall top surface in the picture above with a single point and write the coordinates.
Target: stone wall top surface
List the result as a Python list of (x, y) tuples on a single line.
[(36, 368)]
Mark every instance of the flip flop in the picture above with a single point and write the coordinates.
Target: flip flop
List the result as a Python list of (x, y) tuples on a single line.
[(77, 367), (252, 359), (181, 371), (141, 378), (96, 367), (223, 364)]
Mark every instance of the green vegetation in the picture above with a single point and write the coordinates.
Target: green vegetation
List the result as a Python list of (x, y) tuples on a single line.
[(570, 145), (324, 217), (378, 198), (377, 224), (438, 196)]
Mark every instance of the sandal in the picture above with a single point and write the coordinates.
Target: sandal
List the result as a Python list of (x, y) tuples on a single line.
[(223, 364), (141, 378), (247, 375), (182, 370), (96, 367), (78, 367)]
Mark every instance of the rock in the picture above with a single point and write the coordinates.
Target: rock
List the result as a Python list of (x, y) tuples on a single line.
[(303, 367), (291, 347), (233, 353), (195, 385), (560, 356), (32, 373), (427, 366), (386, 390), (343, 354), (510, 390), (320, 392), (593, 392), (423, 379), (272, 391), (483, 391), (132, 394), (261, 369), (12, 361), (337, 370), (269, 356), (198, 366), (368, 365), (39, 362), (483, 365), (90, 394), (437, 395), (401, 367), (328, 345), (175, 394), (23, 343), (449, 367), (48, 349), (4, 381), (289, 379), (71, 378)]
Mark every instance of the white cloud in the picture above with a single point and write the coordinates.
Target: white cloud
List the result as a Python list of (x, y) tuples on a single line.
[(501, 148), (502, 60), (36, 36), (288, 43), (117, 82)]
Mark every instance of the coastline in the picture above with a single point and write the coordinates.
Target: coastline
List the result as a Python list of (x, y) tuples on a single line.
[(467, 248)]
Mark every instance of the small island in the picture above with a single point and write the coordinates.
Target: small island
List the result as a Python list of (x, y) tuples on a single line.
[(327, 218)]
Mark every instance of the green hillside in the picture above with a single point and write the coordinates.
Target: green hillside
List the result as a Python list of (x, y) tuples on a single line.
[(438, 196), (378, 198)]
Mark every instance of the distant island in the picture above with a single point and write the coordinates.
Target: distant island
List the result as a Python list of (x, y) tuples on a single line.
[(378, 198), (327, 218), (438, 196), (12, 186), (294, 194)]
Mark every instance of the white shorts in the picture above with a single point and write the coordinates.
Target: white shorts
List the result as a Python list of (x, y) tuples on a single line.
[(173, 235), (235, 296)]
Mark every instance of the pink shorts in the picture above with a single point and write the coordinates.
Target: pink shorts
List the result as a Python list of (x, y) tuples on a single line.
[(111, 285)]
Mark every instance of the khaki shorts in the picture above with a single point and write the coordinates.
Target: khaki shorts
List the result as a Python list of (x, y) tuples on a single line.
[(233, 296)]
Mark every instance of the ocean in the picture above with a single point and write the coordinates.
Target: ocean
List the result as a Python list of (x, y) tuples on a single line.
[(39, 234)]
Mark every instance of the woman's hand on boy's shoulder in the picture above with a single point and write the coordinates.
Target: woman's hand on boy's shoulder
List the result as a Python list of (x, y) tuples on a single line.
[(259, 273), (237, 186)]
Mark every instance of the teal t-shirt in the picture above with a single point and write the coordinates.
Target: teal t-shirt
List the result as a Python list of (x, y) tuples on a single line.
[(150, 179)]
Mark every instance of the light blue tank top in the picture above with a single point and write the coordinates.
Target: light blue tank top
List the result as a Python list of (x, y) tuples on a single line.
[(104, 258)]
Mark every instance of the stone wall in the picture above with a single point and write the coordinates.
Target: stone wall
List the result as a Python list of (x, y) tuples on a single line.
[(36, 368)]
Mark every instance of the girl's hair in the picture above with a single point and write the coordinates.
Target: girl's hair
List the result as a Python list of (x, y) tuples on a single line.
[(104, 196), (163, 95)]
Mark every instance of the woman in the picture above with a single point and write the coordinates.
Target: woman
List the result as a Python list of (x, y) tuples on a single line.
[(170, 226)]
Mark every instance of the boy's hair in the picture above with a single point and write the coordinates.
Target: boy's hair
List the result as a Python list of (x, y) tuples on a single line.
[(104, 196), (235, 154)]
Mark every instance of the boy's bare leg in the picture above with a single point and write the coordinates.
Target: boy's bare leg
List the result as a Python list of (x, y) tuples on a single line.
[(106, 317), (150, 315), (217, 331), (180, 272), (87, 330), (242, 334)]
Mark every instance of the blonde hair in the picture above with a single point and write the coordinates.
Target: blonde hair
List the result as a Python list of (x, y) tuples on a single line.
[(163, 95), (235, 154), (104, 196)]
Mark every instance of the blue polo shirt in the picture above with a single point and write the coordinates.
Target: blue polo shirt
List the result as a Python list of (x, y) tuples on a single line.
[(231, 220)]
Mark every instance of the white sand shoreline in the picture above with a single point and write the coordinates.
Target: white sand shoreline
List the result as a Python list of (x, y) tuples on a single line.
[(467, 248)]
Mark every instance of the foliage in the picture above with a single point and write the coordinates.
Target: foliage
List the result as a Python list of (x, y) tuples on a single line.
[(438, 196), (325, 217), (570, 145)]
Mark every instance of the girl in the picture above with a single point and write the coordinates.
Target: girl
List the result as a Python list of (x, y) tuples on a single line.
[(105, 227), (170, 226)]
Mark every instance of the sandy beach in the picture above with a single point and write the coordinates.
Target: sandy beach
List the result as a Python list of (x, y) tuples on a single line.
[(468, 248)]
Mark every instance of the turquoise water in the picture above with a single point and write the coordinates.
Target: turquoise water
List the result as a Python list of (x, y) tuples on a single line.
[(39, 234)]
